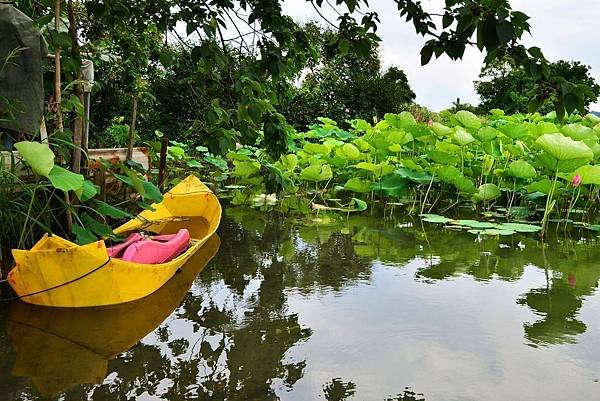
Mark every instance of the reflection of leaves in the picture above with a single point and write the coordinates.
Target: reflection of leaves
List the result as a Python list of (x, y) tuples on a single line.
[(407, 395), (179, 346), (558, 307), (337, 390)]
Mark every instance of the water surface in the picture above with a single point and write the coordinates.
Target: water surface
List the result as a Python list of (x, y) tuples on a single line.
[(358, 309)]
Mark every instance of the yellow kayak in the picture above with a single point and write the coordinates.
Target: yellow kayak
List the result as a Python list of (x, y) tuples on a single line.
[(57, 272), (59, 348)]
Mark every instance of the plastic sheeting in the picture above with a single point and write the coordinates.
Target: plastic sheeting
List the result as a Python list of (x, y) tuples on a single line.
[(21, 51)]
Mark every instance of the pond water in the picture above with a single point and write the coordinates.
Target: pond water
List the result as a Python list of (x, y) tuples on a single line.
[(358, 309)]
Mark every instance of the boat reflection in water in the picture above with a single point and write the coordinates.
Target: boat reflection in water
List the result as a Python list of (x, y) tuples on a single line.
[(62, 347)]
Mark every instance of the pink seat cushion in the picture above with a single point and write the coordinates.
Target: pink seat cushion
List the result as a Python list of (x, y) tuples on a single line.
[(151, 251), (117, 250)]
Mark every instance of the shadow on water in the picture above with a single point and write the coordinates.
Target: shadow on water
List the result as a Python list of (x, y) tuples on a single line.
[(246, 330)]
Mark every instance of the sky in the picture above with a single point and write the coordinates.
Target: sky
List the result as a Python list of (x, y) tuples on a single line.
[(563, 29)]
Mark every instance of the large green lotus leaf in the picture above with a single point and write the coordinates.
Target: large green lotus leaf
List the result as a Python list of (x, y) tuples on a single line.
[(465, 185), (359, 205), (415, 176), (543, 127), (245, 169), (468, 119), (564, 148), (65, 180), (522, 169), (448, 147), (441, 129), (392, 185), (568, 166), (448, 174), (402, 120), (378, 170), (519, 227), (462, 137), (316, 149), (434, 218), (316, 173), (486, 134), (420, 132), (589, 174), (488, 192), (514, 130), (358, 185), (474, 223), (592, 119), (288, 162), (543, 186), (443, 157), (363, 145), (579, 132), (38, 155), (348, 151), (398, 136)]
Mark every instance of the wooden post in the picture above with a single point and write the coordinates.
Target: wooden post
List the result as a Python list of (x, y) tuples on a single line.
[(77, 127), (162, 166), (57, 88), (132, 127)]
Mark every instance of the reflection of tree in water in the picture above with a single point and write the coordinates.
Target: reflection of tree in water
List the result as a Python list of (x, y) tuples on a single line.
[(338, 390), (242, 328), (572, 268)]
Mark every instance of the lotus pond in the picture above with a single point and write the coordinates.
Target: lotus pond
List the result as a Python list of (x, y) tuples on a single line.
[(335, 309)]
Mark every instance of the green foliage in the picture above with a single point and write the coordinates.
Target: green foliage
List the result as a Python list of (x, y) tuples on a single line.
[(502, 86)]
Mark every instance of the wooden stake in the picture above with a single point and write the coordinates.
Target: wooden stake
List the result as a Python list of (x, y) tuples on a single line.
[(77, 127), (57, 88)]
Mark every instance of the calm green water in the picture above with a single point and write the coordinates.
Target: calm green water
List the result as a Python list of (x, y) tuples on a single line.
[(363, 309)]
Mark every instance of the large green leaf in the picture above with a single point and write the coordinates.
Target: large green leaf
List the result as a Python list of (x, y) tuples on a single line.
[(348, 151), (87, 191), (579, 132), (514, 130), (392, 185), (564, 148), (39, 156), (65, 180), (416, 176), (522, 169), (462, 137), (487, 192), (443, 157), (316, 173), (358, 185), (245, 168), (441, 130), (589, 174), (468, 119), (486, 134), (316, 149)]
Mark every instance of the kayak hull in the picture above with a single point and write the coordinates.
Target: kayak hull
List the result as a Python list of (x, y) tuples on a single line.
[(57, 272)]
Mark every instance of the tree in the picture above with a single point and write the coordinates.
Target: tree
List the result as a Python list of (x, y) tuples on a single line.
[(501, 86), (274, 49), (342, 87)]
